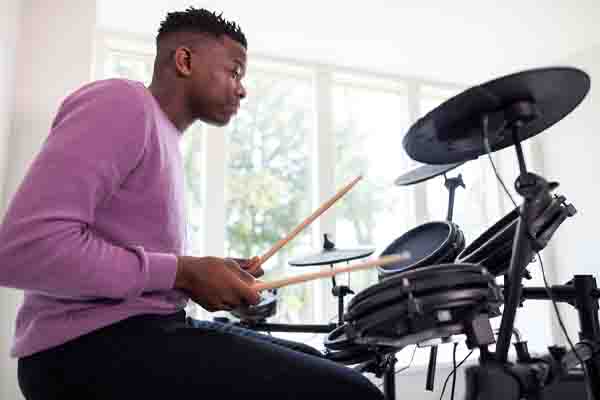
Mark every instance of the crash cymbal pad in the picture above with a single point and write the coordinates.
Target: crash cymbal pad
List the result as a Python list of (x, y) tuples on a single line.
[(515, 108)]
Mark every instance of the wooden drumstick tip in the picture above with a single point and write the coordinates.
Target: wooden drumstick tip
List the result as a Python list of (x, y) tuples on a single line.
[(324, 207), (384, 260)]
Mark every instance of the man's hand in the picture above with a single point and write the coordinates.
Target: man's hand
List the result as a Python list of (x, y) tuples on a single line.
[(252, 265), (215, 283)]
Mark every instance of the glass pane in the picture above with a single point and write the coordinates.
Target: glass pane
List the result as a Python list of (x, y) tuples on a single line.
[(128, 66), (470, 210), (473, 203), (268, 188), (192, 150), (369, 124)]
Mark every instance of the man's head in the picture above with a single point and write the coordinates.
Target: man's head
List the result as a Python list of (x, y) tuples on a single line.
[(203, 57)]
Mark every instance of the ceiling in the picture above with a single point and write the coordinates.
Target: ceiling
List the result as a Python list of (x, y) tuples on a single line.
[(461, 42)]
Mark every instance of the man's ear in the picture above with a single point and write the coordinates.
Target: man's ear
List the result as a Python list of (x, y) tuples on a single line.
[(183, 61)]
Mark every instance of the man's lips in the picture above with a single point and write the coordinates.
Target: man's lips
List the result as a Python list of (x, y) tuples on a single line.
[(232, 108)]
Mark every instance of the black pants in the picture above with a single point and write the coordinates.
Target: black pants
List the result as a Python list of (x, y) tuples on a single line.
[(158, 357)]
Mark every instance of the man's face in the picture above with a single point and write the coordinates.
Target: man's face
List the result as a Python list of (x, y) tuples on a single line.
[(215, 85)]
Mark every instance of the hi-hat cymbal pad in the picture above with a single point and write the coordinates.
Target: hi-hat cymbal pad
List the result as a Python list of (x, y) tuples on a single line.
[(331, 256), (423, 173)]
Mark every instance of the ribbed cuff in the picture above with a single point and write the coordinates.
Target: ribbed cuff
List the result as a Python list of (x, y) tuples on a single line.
[(162, 268)]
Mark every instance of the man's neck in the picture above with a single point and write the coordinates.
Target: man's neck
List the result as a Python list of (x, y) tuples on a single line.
[(171, 104)]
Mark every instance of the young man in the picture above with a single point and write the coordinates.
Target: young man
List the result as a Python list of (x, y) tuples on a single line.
[(94, 237)]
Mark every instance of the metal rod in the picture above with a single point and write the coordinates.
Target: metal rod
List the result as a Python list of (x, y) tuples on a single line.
[(452, 184), (431, 369), (451, 195), (560, 293), (520, 156), (522, 253), (587, 309), (389, 379), (341, 307)]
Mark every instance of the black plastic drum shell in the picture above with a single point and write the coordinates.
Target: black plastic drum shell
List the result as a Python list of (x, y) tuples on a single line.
[(443, 251), (408, 302), (493, 248)]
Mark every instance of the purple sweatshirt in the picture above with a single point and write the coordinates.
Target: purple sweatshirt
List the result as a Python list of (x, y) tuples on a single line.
[(92, 233)]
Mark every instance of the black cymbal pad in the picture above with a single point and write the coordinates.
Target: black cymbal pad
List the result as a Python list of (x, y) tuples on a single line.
[(423, 173), (331, 256), (537, 98)]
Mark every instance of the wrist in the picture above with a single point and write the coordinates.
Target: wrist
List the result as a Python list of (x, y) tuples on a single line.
[(181, 276)]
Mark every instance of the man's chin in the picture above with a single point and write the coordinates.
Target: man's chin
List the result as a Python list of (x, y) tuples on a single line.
[(218, 120)]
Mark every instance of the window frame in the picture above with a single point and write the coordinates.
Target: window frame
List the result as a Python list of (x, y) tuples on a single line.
[(322, 144)]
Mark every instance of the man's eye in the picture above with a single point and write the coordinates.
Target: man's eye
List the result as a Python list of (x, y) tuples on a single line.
[(235, 74)]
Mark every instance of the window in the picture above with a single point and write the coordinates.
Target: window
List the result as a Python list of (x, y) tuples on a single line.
[(192, 148), (480, 193), (370, 117), (268, 188), (304, 132)]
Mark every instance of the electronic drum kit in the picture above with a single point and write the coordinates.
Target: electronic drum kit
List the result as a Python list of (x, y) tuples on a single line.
[(446, 291)]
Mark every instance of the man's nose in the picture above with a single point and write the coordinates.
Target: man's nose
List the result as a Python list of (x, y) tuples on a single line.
[(241, 92)]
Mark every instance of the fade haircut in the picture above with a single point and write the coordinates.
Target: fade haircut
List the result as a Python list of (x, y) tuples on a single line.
[(200, 21)]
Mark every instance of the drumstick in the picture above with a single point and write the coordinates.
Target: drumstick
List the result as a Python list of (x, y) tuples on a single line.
[(385, 260), (306, 222)]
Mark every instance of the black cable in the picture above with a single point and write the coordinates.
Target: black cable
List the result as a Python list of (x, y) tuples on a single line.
[(488, 150), (412, 357), (453, 372), (559, 318), (453, 375), (407, 366)]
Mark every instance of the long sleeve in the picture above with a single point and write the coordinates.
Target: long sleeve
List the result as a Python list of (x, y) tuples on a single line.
[(48, 243)]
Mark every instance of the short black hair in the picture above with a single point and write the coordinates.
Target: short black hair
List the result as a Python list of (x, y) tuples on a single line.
[(200, 20)]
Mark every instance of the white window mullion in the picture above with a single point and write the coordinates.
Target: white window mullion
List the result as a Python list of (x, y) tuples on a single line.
[(549, 255), (214, 191), (325, 151), (100, 57), (420, 193), (324, 175)]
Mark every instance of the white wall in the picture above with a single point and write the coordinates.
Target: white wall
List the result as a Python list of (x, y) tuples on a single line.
[(52, 64), (571, 152), (9, 29), (35, 76)]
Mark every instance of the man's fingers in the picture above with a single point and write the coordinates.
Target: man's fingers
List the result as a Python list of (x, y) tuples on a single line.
[(239, 272), (248, 294), (245, 284), (248, 264), (246, 277), (253, 267)]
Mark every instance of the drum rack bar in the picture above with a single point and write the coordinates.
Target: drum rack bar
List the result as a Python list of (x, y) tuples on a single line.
[(582, 293), (296, 328), (561, 293)]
